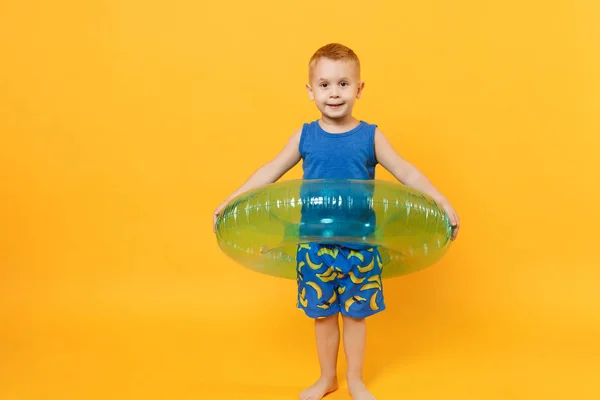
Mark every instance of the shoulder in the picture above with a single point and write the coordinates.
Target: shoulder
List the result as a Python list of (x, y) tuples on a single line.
[(381, 142), (310, 125), (378, 134), (304, 128), (371, 129), (299, 137), (369, 126), (383, 147), (308, 129)]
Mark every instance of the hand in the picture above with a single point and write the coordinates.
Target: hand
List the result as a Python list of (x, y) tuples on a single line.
[(454, 220), (216, 215)]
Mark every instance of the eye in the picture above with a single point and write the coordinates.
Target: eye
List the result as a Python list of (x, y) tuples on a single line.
[(344, 84), (323, 84)]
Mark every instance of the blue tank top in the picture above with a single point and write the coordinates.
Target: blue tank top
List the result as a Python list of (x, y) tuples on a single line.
[(347, 155)]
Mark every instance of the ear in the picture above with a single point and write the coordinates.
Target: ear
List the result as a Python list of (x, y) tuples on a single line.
[(309, 90), (361, 86)]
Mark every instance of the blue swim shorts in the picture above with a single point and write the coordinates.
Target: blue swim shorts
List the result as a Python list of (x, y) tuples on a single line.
[(336, 279)]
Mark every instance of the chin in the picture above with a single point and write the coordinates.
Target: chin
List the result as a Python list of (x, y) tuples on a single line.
[(336, 116)]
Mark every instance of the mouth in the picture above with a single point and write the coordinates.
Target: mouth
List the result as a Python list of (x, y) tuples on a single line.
[(335, 105)]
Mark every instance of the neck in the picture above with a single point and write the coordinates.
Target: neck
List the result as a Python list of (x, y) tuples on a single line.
[(335, 125)]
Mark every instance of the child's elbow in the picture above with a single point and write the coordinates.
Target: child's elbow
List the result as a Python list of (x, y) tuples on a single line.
[(400, 169), (273, 170)]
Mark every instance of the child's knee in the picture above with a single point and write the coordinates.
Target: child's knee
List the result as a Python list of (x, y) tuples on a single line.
[(350, 321)]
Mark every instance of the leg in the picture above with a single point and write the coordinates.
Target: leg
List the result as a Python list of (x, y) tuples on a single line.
[(362, 298), (327, 333), (355, 337), (317, 297)]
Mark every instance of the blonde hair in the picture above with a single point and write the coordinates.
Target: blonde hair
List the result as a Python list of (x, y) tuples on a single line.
[(333, 51)]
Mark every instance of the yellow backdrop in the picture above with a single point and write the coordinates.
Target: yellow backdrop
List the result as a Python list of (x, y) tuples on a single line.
[(125, 123)]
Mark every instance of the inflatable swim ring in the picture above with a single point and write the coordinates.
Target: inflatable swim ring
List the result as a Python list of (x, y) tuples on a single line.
[(261, 229)]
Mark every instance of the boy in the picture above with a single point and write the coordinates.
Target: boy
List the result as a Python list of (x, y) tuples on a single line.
[(338, 145)]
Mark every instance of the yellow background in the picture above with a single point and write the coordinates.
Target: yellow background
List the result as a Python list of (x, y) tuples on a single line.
[(125, 123)]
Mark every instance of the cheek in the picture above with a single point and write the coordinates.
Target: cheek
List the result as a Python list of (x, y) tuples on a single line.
[(350, 94)]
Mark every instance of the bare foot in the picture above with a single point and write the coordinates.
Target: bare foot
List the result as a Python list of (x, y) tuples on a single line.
[(358, 390), (320, 389)]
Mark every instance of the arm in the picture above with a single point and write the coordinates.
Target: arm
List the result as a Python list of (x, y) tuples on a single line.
[(270, 172), (409, 175)]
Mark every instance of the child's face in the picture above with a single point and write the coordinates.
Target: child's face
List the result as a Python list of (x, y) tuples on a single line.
[(335, 86)]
